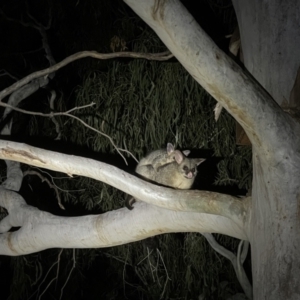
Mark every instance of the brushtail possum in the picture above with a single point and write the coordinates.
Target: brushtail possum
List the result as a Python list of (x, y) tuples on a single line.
[(149, 165), (179, 174), (168, 167)]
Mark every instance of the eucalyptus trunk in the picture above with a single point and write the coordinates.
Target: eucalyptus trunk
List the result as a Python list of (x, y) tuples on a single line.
[(270, 36)]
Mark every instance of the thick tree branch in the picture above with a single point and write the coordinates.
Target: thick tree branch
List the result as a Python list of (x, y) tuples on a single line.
[(180, 200), (264, 121), (41, 230)]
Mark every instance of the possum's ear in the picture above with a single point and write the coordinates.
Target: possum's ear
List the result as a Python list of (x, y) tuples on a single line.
[(199, 161), (186, 152), (170, 148), (178, 156)]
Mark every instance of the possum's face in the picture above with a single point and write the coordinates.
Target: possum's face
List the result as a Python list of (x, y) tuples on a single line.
[(189, 170), (188, 167)]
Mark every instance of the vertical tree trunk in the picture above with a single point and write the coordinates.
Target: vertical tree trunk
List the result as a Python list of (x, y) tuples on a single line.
[(275, 230), (270, 35)]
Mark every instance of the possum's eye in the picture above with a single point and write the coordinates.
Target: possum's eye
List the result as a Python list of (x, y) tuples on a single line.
[(193, 170), (185, 168)]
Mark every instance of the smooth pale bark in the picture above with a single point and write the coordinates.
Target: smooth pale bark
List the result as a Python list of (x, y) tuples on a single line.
[(180, 200), (270, 36), (274, 229), (41, 230), (14, 173), (270, 41), (275, 136), (228, 83)]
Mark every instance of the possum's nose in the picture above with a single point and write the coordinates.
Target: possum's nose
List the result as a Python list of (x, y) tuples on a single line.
[(189, 175)]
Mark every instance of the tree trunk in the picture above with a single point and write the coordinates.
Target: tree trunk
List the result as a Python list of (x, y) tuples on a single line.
[(270, 42), (270, 36)]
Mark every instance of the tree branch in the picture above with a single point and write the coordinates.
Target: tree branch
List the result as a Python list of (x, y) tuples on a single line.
[(44, 73), (263, 120), (41, 230), (236, 261), (180, 200)]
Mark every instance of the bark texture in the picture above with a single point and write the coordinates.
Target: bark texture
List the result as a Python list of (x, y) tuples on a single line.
[(270, 36), (270, 40)]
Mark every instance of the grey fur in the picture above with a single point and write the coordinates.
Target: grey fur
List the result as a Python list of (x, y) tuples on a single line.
[(168, 167)]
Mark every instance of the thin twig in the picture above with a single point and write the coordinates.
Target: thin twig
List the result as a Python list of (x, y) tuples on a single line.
[(67, 113), (31, 172), (73, 267), (155, 56)]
